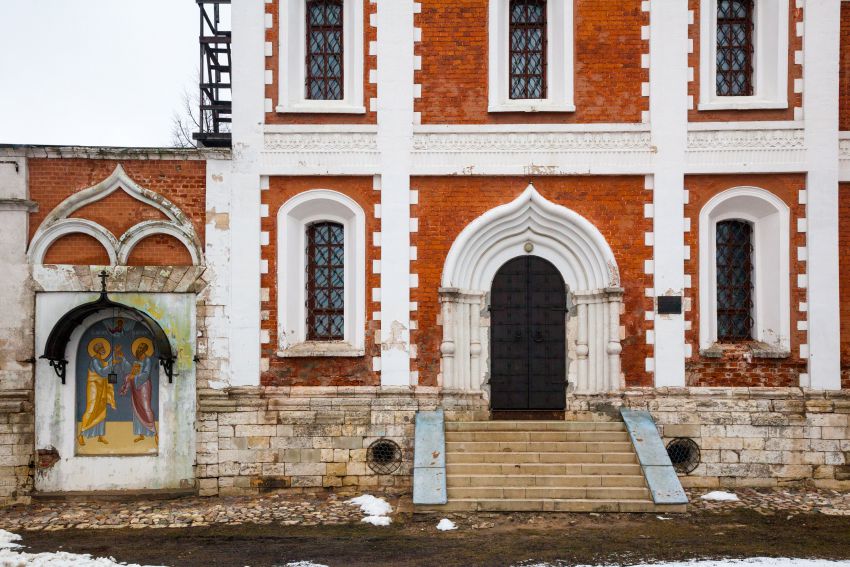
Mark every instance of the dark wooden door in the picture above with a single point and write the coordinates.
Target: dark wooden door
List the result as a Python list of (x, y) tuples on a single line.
[(528, 336)]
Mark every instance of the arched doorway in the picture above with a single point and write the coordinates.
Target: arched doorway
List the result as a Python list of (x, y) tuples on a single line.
[(528, 368)]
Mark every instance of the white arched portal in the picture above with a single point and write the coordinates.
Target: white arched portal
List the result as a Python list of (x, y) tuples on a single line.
[(530, 224)]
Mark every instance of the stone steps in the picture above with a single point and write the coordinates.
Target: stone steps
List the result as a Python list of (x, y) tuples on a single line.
[(575, 466)]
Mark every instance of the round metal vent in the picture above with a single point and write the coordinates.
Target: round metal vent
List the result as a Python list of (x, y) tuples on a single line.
[(384, 456), (684, 454)]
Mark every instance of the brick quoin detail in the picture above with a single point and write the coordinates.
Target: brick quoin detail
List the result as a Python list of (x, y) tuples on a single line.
[(181, 181), (370, 62), (608, 73), (733, 369), (318, 371), (613, 204), (795, 100), (844, 70), (844, 275)]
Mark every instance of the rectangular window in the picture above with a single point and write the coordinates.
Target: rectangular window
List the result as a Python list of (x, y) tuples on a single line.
[(734, 76), (325, 282), (324, 75), (527, 49), (734, 257)]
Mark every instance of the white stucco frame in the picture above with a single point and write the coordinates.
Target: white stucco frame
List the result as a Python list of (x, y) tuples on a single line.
[(770, 218), (292, 220), (770, 58), (55, 406), (292, 56), (530, 224), (559, 60)]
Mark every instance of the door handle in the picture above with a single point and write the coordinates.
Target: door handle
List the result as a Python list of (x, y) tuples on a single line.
[(538, 337)]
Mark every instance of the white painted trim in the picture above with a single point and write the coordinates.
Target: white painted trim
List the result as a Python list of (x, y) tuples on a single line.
[(770, 58), (293, 218), (58, 222), (292, 57), (559, 60), (560, 235), (770, 218)]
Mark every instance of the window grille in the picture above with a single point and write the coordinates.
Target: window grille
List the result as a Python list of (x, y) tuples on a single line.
[(735, 47), (325, 282), (528, 49), (734, 256), (324, 50)]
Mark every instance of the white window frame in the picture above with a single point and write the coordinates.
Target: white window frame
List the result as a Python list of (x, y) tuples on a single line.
[(770, 58), (292, 56), (319, 205), (769, 217), (560, 62)]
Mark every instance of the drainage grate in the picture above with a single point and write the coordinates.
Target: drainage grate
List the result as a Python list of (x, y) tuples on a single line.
[(384, 456), (684, 454)]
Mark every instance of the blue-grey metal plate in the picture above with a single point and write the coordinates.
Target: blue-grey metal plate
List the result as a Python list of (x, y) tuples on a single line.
[(664, 485), (645, 438), (429, 458)]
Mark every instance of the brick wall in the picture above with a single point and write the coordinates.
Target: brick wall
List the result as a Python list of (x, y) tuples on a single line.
[(736, 367), (608, 73), (844, 70), (613, 204), (844, 275), (795, 100), (318, 371), (181, 181), (370, 62)]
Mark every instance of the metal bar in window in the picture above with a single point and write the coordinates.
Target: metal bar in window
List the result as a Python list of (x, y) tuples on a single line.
[(324, 59), (734, 261), (325, 282), (734, 65), (527, 57)]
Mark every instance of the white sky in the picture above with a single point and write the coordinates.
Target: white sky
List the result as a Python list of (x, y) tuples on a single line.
[(95, 72)]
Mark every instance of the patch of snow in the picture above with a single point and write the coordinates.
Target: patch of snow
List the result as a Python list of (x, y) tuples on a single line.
[(377, 520), (59, 559), (7, 540), (720, 496), (372, 506), (446, 525), (304, 564), (663, 518)]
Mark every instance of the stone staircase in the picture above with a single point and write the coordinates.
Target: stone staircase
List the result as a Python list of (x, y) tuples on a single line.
[(535, 466)]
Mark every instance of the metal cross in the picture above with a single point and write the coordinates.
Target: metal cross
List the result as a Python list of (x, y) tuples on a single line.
[(103, 275)]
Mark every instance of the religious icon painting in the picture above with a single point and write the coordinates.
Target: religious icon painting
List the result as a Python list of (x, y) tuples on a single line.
[(117, 390)]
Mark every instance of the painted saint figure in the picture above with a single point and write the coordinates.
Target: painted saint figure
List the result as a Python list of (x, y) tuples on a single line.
[(138, 383), (99, 392)]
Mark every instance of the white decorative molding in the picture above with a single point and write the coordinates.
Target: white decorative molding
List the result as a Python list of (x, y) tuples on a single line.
[(844, 156), (58, 222), (715, 149), (320, 152), (582, 256)]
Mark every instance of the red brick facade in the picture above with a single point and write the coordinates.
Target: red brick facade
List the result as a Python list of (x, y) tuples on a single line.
[(844, 70), (181, 181), (734, 368), (370, 62), (795, 100), (318, 371), (844, 276), (613, 204), (608, 72)]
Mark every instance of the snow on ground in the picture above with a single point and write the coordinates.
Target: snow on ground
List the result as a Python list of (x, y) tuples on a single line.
[(376, 509), (9, 557), (446, 525), (304, 564), (754, 562), (720, 495)]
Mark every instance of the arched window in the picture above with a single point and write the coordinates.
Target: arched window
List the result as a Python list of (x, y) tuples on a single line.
[(325, 281), (734, 257), (744, 279), (321, 280)]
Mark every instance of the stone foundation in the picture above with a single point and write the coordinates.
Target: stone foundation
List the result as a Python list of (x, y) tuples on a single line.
[(17, 426)]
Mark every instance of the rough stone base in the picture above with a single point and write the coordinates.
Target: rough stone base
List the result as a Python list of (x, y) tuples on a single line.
[(17, 430)]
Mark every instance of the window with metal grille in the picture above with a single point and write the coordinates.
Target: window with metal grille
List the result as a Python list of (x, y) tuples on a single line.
[(734, 257), (528, 49), (324, 50), (325, 281), (735, 47)]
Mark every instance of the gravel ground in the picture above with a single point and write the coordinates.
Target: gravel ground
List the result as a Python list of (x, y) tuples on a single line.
[(330, 509)]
